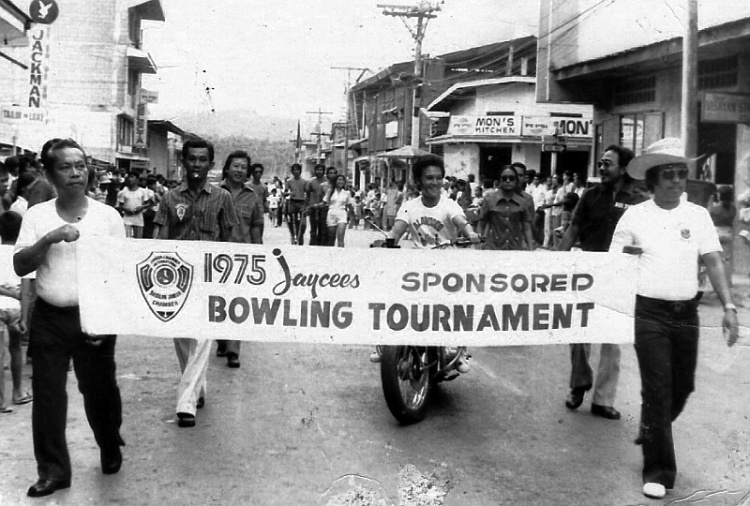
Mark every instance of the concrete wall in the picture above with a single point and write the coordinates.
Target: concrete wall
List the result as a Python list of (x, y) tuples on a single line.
[(583, 30), (462, 157)]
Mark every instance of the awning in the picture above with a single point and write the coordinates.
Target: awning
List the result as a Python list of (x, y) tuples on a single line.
[(573, 144), (468, 90), (148, 9), (357, 142), (140, 61), (166, 125), (13, 24), (130, 156), (403, 152)]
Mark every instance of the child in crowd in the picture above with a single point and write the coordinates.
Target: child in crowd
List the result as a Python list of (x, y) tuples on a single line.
[(11, 326), (358, 210)]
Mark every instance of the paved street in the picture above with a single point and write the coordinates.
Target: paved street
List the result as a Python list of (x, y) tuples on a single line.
[(303, 424)]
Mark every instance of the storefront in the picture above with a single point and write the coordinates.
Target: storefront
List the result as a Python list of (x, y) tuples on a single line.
[(495, 122)]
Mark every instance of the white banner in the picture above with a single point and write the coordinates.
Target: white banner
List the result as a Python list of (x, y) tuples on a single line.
[(353, 296), (496, 126)]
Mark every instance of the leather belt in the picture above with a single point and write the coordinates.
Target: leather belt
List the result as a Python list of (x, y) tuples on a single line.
[(675, 307)]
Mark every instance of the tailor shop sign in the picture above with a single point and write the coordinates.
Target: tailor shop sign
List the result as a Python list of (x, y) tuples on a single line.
[(353, 296)]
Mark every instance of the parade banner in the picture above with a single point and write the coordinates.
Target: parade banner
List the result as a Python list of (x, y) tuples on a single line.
[(353, 296)]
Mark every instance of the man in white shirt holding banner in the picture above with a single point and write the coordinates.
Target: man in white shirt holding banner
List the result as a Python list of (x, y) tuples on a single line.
[(47, 244), (669, 235)]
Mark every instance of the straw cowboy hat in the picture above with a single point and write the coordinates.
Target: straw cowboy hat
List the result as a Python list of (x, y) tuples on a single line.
[(669, 150)]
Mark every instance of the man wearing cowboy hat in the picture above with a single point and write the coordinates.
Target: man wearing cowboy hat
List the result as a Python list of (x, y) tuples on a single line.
[(669, 235), (593, 223)]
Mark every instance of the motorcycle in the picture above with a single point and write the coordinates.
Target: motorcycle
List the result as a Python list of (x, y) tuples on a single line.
[(410, 374)]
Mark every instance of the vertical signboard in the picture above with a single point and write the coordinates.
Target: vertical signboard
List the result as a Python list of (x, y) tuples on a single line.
[(43, 13), (140, 144), (38, 66)]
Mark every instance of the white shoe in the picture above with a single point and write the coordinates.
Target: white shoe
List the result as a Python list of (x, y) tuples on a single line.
[(463, 366), (375, 357), (654, 490)]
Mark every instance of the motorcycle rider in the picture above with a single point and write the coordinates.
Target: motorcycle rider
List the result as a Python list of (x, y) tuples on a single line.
[(446, 219)]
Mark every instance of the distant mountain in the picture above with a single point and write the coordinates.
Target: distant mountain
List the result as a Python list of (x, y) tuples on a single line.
[(238, 122)]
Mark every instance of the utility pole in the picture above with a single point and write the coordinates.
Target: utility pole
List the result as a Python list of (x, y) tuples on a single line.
[(319, 133), (689, 117), (346, 123), (423, 12)]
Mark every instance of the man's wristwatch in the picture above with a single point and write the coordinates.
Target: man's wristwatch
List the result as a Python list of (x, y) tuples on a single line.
[(730, 306)]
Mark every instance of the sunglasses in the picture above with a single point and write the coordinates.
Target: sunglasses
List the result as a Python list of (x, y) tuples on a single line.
[(669, 174), (507, 178)]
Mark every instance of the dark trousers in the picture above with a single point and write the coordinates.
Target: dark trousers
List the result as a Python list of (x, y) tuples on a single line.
[(318, 227), (57, 336), (230, 346), (666, 343)]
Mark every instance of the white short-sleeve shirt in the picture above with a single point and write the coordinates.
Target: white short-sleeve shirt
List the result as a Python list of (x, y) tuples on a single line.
[(57, 277), (672, 242)]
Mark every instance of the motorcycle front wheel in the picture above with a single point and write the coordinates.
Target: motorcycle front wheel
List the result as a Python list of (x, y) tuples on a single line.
[(407, 381)]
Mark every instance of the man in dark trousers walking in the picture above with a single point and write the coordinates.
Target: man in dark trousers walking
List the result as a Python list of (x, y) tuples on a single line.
[(593, 223)]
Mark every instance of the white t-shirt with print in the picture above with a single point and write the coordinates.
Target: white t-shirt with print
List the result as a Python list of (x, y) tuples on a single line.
[(431, 226)]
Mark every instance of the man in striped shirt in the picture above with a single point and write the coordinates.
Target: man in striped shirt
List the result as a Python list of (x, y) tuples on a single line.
[(194, 211)]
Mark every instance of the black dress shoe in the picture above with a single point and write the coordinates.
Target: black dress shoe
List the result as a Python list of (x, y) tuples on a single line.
[(575, 397), (607, 412), (46, 487), (185, 420), (233, 360), (111, 459), (221, 350)]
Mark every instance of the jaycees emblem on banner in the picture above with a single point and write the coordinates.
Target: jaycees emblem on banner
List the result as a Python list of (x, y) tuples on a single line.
[(165, 280), (289, 293)]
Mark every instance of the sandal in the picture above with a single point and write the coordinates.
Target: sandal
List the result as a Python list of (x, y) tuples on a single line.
[(6, 409), (25, 399)]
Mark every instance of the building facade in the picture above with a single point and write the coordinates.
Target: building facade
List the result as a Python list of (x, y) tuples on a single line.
[(14, 24), (634, 77), (83, 80), (383, 103), (628, 64), (493, 122)]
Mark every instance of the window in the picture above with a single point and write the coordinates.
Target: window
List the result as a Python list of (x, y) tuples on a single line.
[(124, 132), (718, 73), (633, 131), (134, 28), (133, 85), (635, 91)]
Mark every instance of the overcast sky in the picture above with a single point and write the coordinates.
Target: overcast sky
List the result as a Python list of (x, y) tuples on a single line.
[(274, 56)]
